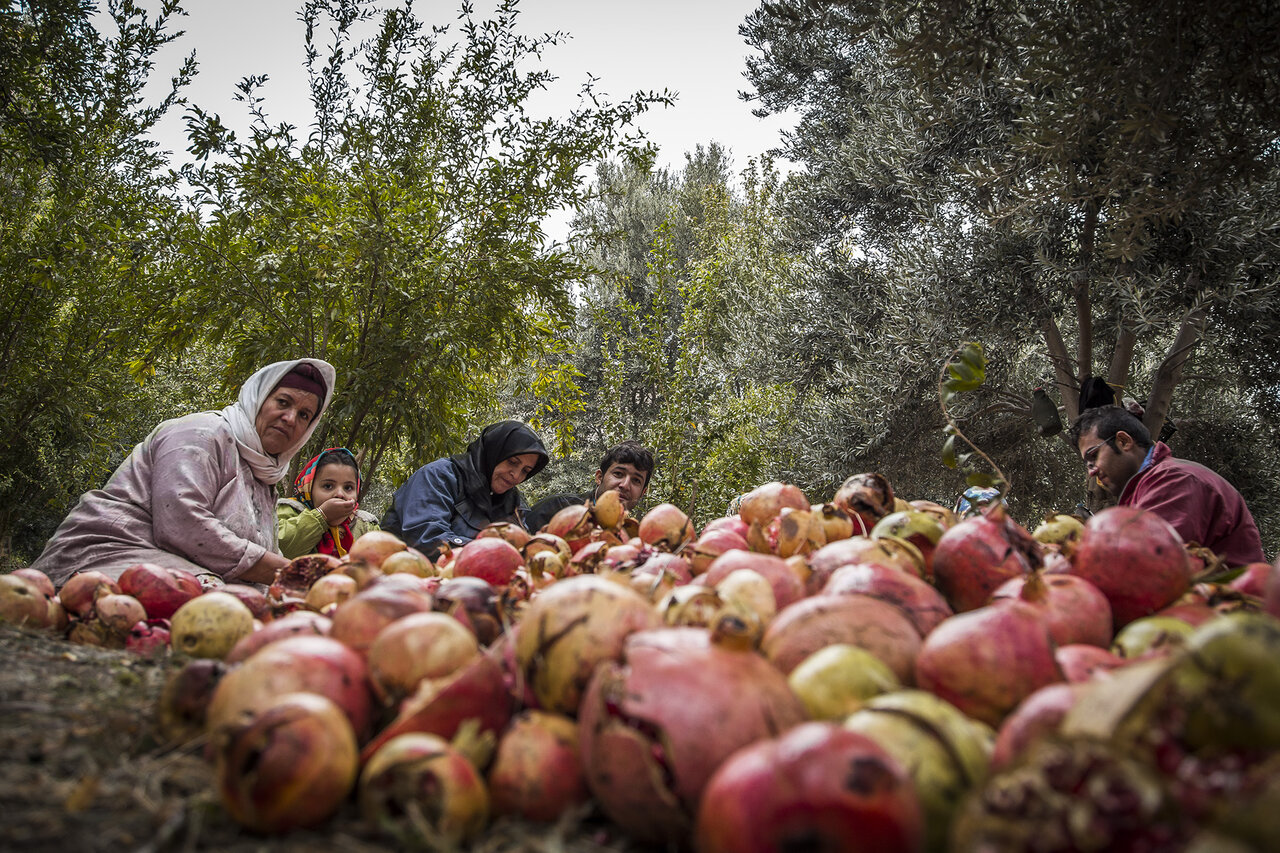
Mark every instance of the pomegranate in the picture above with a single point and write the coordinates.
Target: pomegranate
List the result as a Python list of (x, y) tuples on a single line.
[(763, 503), (290, 766), (252, 598), (837, 680), (299, 623), (608, 509), (1253, 579), (38, 579), (859, 620), (491, 559), (655, 725), (374, 547), (159, 590), (816, 787), (710, 545), (919, 528), (329, 591), (22, 603), (1136, 558), (149, 637), (1272, 600), (1080, 662), (945, 752), (209, 625), (1058, 529), (571, 524), (836, 524), (570, 628), (78, 593), (537, 769), (1151, 636), (474, 603), (1075, 610), (795, 531), (865, 498), (894, 553), (666, 528), (979, 554), (409, 561), (988, 660), (732, 523), (922, 604), (359, 619), (184, 701), (786, 584), (417, 784), (475, 692), (293, 581), (942, 514), (512, 534), (749, 592), (296, 664), (1038, 715), (416, 647)]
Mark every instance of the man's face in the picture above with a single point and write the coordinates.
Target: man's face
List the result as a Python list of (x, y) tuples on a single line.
[(629, 480), (1112, 462)]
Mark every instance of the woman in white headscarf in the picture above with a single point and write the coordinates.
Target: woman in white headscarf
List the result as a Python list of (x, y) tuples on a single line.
[(198, 493)]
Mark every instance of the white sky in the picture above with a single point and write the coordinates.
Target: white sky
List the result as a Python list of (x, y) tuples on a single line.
[(691, 47)]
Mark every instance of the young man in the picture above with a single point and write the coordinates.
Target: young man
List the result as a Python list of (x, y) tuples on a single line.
[(627, 467), (1200, 504)]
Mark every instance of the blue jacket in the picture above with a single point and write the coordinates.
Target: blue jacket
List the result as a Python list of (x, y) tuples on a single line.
[(430, 509)]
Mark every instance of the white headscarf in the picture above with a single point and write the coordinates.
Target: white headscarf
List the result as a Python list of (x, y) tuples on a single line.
[(240, 416)]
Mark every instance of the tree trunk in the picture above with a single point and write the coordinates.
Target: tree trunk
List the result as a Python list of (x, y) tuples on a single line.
[(1066, 382), (1084, 305), (1170, 371), (1122, 359)]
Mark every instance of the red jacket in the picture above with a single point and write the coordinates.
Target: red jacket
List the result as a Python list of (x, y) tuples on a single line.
[(1201, 506)]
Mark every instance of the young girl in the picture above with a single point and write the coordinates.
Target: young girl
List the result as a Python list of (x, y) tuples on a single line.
[(322, 516)]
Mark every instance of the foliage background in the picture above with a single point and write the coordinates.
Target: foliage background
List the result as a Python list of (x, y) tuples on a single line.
[(1047, 178)]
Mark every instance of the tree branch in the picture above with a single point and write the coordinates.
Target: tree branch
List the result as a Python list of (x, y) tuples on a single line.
[(1068, 386), (1170, 371)]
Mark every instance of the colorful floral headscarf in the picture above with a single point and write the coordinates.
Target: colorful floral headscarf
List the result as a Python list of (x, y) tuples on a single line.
[(302, 484)]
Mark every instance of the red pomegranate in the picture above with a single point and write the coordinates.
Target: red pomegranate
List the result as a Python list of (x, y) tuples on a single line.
[(988, 660), (1075, 610), (505, 530), (853, 619), (816, 787), (290, 766), (38, 579), (655, 725), (1136, 558), (786, 584), (426, 792), (572, 524), (252, 598), (150, 637), (920, 528), (476, 691), (159, 590), (710, 545), (894, 553), (666, 528), (296, 664), (923, 604), (298, 623), (1080, 662), (358, 620), (184, 701), (491, 559), (979, 554), (417, 647), (537, 769), (374, 547), (78, 593), (732, 523), (1038, 715), (1253, 579)]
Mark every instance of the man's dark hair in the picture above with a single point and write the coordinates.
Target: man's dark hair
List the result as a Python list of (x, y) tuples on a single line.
[(1107, 421), (629, 453)]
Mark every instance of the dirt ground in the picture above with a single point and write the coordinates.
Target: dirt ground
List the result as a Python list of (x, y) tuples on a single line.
[(82, 768)]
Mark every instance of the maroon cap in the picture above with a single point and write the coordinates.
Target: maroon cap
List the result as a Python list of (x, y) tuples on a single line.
[(304, 377)]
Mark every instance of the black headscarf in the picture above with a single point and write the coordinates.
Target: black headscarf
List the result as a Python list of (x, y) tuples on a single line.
[(479, 505)]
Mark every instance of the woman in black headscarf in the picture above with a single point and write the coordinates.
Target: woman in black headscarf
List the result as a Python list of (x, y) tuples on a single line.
[(452, 498)]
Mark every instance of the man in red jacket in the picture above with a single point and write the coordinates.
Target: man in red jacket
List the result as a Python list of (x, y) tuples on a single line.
[(1202, 506)]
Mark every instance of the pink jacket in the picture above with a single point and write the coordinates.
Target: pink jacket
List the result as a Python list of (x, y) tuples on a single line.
[(185, 498), (1202, 506)]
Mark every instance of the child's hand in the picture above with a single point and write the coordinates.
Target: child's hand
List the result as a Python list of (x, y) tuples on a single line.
[(337, 510)]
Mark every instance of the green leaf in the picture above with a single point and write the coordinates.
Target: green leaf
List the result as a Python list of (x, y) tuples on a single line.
[(949, 452)]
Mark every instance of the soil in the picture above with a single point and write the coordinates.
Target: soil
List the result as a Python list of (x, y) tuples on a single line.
[(83, 767)]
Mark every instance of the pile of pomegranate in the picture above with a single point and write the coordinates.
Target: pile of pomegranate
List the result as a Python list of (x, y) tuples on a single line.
[(867, 674)]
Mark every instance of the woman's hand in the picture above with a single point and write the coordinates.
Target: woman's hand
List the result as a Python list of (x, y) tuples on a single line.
[(264, 571), (337, 510)]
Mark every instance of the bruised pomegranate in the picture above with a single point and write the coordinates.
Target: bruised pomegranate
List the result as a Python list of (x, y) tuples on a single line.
[(159, 590), (865, 498), (921, 529), (712, 544), (426, 790), (150, 637), (1038, 715), (786, 584), (209, 625), (988, 660), (290, 766), (816, 787), (184, 701), (1080, 662), (252, 598), (656, 724), (666, 528), (417, 647), (78, 593), (763, 503), (571, 627), (976, 556), (374, 547), (1135, 558), (537, 769), (513, 534), (301, 622), (22, 604), (894, 553), (359, 619)]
